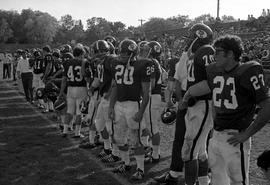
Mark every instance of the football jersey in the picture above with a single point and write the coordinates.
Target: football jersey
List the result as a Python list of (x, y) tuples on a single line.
[(72, 70), (47, 59), (128, 80), (235, 94), (56, 66), (156, 73), (104, 73), (37, 64), (196, 67)]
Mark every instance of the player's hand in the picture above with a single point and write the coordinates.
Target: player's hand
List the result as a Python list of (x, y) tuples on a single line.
[(186, 96), (237, 138), (111, 113), (138, 117)]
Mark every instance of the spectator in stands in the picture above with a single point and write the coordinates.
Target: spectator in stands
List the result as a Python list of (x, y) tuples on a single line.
[(25, 72), (263, 162)]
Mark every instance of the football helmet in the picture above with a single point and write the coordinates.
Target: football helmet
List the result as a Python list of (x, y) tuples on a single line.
[(110, 39), (40, 93), (51, 91), (56, 53), (36, 53), (112, 48), (168, 116), (66, 48), (128, 48), (156, 49), (198, 35), (100, 46), (60, 104), (84, 106)]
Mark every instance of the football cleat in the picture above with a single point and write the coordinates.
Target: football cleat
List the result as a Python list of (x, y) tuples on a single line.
[(110, 159), (138, 175), (122, 169), (87, 145), (166, 178), (104, 152)]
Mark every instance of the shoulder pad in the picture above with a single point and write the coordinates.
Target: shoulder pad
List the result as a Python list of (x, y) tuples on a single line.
[(245, 66)]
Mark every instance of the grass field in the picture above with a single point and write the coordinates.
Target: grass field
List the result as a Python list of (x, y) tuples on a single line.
[(33, 153)]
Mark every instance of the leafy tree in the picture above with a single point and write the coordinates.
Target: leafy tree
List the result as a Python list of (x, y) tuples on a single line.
[(5, 31), (77, 31), (205, 18), (228, 18)]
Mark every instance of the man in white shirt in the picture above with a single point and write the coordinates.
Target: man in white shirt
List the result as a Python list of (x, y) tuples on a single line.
[(25, 72)]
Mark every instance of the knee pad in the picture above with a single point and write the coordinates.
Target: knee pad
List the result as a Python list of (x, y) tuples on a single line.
[(156, 139)]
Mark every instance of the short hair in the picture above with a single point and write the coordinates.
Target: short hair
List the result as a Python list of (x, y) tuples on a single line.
[(47, 48), (230, 43), (263, 161)]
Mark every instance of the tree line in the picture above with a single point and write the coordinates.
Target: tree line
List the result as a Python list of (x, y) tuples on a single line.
[(38, 27)]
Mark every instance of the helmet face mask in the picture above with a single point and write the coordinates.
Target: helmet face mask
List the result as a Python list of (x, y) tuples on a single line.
[(156, 49), (143, 49), (168, 116)]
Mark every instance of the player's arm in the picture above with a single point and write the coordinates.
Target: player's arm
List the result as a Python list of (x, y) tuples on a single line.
[(199, 89), (145, 100), (63, 86), (261, 120)]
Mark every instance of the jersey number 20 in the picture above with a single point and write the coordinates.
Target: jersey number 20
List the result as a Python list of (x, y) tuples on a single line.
[(127, 78)]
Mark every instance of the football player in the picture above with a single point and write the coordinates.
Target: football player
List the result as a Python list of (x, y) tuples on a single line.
[(132, 79), (198, 119), (101, 120), (177, 82), (47, 63), (76, 89), (38, 71), (236, 90), (153, 110)]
